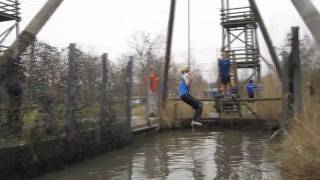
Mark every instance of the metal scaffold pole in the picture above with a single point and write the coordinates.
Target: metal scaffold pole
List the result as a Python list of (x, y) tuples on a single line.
[(17, 22)]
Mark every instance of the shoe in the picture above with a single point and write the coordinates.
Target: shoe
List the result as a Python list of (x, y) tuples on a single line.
[(195, 123)]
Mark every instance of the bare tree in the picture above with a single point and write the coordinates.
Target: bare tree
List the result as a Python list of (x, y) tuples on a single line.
[(143, 43), (146, 47)]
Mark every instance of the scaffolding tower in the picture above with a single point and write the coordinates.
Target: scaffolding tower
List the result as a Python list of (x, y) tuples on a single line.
[(9, 13), (240, 39)]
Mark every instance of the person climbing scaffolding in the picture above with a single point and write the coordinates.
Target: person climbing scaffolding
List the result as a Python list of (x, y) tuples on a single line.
[(224, 65), (184, 86)]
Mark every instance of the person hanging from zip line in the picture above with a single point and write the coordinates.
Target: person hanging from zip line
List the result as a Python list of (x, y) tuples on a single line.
[(184, 87), (224, 65)]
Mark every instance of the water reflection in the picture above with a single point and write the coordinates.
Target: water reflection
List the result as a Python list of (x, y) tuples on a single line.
[(182, 155), (229, 155)]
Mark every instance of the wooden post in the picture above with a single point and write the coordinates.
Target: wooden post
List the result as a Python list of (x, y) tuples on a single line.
[(168, 52), (175, 112), (72, 91), (129, 81), (103, 90), (223, 29), (292, 96), (297, 80), (44, 97)]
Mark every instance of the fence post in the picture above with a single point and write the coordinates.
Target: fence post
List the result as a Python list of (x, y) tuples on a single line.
[(103, 90), (72, 90), (44, 97), (148, 94), (292, 96), (286, 94), (129, 81), (175, 112)]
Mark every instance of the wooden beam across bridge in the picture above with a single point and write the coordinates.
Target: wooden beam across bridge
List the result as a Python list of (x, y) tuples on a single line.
[(237, 99), (235, 123)]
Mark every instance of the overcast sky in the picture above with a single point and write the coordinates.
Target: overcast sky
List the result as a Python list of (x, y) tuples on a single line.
[(106, 25)]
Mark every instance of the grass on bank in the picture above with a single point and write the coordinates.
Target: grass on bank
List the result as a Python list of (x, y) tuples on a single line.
[(301, 146), (138, 110)]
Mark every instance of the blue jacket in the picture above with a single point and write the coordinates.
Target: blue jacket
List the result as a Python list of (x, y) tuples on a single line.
[(224, 67), (183, 88), (251, 88)]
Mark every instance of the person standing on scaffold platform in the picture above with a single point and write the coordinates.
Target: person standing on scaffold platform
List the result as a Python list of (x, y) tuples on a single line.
[(184, 86), (224, 65), (251, 88)]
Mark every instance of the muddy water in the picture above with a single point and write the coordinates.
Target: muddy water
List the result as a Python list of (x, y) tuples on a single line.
[(185, 154)]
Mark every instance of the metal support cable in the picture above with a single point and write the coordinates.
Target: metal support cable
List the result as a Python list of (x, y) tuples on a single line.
[(189, 29)]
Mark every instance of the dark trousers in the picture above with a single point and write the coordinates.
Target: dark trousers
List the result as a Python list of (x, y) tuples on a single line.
[(195, 104), (250, 95)]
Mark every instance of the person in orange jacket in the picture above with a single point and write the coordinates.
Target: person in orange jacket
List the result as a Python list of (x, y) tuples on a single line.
[(154, 79)]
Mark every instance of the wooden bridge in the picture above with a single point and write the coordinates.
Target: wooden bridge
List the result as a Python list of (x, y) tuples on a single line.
[(239, 28)]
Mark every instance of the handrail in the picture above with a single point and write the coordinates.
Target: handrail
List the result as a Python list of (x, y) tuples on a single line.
[(237, 99), (230, 9), (238, 12), (243, 18)]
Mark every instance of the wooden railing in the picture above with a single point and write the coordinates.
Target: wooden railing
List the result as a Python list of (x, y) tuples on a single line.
[(236, 14)]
